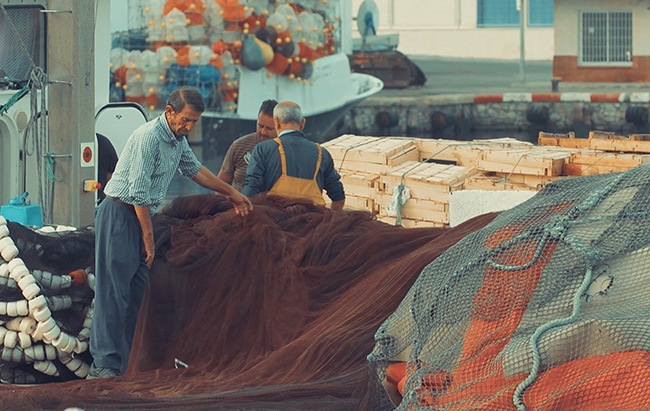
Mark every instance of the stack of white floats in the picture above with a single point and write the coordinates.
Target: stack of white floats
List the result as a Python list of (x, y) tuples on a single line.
[(32, 335)]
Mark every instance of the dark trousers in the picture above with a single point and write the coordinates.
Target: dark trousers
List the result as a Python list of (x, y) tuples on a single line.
[(121, 278)]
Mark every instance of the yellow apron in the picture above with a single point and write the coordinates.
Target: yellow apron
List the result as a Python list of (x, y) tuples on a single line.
[(296, 187)]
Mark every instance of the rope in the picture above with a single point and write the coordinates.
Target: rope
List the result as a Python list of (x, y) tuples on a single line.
[(345, 153), (505, 179), (37, 128), (517, 396)]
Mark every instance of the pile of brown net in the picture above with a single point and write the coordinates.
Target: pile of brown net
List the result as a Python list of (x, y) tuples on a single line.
[(274, 311)]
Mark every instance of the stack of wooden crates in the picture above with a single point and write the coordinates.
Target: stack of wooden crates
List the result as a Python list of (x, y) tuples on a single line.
[(372, 167)]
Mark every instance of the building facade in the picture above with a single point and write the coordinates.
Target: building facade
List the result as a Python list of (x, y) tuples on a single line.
[(602, 41), (484, 29)]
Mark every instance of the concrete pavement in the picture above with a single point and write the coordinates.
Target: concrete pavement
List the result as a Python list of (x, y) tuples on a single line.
[(473, 76)]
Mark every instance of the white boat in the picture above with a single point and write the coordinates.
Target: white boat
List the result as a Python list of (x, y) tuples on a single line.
[(282, 50)]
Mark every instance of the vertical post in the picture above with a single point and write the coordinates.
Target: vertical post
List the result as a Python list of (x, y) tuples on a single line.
[(522, 31), (71, 72)]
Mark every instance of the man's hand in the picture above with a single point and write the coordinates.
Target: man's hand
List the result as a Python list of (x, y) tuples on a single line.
[(144, 217), (241, 203), (149, 249)]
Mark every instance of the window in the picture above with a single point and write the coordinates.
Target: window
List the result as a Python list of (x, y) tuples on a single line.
[(505, 13), (606, 37), (540, 13), (497, 13)]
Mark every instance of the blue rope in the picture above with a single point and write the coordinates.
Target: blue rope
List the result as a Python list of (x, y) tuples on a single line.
[(50, 167), (534, 340), (14, 99)]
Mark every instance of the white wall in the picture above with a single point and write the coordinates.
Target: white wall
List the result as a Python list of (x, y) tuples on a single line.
[(447, 28)]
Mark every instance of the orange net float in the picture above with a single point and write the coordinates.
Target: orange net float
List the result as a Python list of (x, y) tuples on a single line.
[(232, 10), (79, 276), (183, 57), (278, 65), (193, 10)]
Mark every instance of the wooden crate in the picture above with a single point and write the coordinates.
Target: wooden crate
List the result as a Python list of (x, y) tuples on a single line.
[(375, 150), (354, 203), (598, 140), (465, 153), (426, 181), (360, 184), (460, 153), (536, 162), (415, 209), (489, 182)]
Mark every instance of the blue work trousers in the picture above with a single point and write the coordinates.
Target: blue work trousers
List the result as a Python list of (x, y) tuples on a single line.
[(121, 278)]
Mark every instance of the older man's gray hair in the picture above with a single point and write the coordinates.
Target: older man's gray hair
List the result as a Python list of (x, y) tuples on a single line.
[(288, 112)]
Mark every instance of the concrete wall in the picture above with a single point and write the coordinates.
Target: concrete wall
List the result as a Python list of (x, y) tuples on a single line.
[(448, 28), (566, 62), (495, 116)]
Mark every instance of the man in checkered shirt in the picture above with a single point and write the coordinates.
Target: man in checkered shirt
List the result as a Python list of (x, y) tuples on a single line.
[(124, 242)]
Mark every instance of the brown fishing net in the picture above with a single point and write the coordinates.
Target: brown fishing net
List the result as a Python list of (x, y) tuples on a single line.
[(274, 311)]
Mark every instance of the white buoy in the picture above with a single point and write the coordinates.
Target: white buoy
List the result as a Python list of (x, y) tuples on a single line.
[(12, 310), (59, 302), (82, 371), (15, 262), (36, 303), (8, 249), (52, 334), (47, 325), (22, 308), (9, 252), (61, 341), (84, 334), (27, 325), (42, 314), (72, 344), (31, 291), (37, 334), (50, 352), (46, 367), (4, 231), (10, 339), (26, 281), (24, 340), (4, 270), (13, 324), (81, 346)]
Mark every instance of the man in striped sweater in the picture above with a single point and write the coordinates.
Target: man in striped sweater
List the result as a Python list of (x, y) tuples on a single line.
[(233, 170)]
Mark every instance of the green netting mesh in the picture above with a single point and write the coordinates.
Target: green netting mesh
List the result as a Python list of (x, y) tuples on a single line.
[(545, 308)]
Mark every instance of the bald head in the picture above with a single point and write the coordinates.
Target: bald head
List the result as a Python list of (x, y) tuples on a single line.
[(287, 115)]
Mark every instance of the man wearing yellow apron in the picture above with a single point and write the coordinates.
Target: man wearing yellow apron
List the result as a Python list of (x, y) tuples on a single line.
[(292, 166)]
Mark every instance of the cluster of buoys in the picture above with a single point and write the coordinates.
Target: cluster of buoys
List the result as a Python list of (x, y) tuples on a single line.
[(203, 43), (30, 335)]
